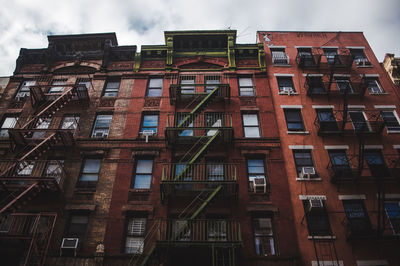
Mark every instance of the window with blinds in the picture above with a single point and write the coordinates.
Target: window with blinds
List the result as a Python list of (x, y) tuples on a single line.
[(135, 233)]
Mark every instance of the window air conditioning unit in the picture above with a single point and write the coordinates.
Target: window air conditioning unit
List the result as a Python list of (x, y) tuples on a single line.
[(287, 90), (69, 244), (307, 172), (100, 135), (146, 134), (315, 204), (259, 185)]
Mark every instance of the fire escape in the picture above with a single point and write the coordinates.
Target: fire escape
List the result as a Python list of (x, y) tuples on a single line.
[(195, 132), (27, 175)]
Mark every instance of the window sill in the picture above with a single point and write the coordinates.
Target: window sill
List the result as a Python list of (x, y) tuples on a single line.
[(281, 65), (321, 237), (377, 94), (299, 132), (393, 131), (294, 93), (369, 66), (308, 179)]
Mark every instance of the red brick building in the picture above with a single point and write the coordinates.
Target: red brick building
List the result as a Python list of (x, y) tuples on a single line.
[(337, 114)]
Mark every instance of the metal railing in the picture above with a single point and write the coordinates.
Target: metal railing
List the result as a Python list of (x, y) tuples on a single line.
[(331, 88), (212, 173), (318, 60), (280, 58), (204, 121)]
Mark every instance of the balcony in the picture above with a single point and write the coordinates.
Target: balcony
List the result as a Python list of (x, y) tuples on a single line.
[(316, 86), (188, 179), (340, 122), (316, 60), (280, 58), (351, 171), (21, 174), (188, 88), (187, 128), (207, 232)]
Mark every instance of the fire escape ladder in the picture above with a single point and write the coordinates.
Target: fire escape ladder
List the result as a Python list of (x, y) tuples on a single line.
[(223, 256), (199, 108), (361, 149), (142, 258), (37, 96), (17, 197), (325, 251)]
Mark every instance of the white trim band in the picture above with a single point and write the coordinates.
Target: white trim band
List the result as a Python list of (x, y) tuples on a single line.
[(370, 75), (373, 147), (301, 147), (356, 106), (352, 197), (329, 47), (385, 106), (283, 75), (277, 46), (327, 263), (308, 197), (291, 106), (372, 262), (313, 75), (323, 106), (396, 146), (355, 47), (391, 196), (336, 147), (302, 46)]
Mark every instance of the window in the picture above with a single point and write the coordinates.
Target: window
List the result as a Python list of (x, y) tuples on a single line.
[(251, 126), (256, 175), (70, 122), (327, 121), (180, 117), (154, 87), (332, 56), (359, 57), (376, 163), (41, 123), (374, 87), (285, 85), (149, 123), (101, 126), (25, 168), (77, 226), (340, 164), (315, 85), (246, 87), (187, 84), (317, 217), (135, 234), (216, 230), (344, 85), (294, 120), (279, 57), (302, 158), (8, 122), (84, 81), (57, 86), (212, 82), (89, 173), (357, 217), (359, 121), (23, 90), (264, 242), (111, 88), (143, 174), (393, 212), (213, 120), (54, 169), (391, 120), (215, 171), (306, 57)]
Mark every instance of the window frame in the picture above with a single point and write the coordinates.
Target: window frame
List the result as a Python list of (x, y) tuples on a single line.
[(357, 229), (284, 56), (156, 88), (142, 127), (251, 126), (380, 89), (107, 90), (94, 129), (256, 174), (133, 236), (57, 86), (281, 79), (135, 174), (271, 236), (22, 90), (4, 130), (297, 122), (360, 61), (365, 120), (297, 165), (395, 230), (89, 183), (321, 214), (75, 122), (395, 116), (251, 93), (80, 235)]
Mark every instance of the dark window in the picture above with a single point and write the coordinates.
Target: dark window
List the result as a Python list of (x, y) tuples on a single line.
[(77, 226), (359, 57), (57, 86), (285, 85), (154, 87), (279, 57), (246, 87), (180, 117), (23, 90), (317, 217), (264, 242), (84, 81), (357, 217), (327, 121), (390, 119), (101, 126), (213, 120), (294, 120), (41, 123), (143, 174), (340, 164), (54, 169), (135, 234), (149, 123), (315, 85), (305, 56), (359, 121), (376, 163), (302, 158), (212, 83), (256, 175), (89, 173), (374, 87), (111, 88), (70, 122), (344, 84), (251, 126), (187, 84), (215, 171), (332, 56), (393, 212), (9, 121)]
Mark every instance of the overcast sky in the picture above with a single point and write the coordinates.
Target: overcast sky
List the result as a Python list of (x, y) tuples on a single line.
[(26, 23)]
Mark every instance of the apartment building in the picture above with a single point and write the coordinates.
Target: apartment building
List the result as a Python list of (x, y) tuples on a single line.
[(337, 113), (391, 65)]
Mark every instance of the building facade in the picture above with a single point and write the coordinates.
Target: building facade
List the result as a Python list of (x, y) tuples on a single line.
[(391, 65), (337, 114)]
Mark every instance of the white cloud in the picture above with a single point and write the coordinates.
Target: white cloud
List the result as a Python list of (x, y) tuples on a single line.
[(26, 24)]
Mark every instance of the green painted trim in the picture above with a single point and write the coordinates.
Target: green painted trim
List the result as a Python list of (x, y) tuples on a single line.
[(261, 57), (231, 53), (137, 63), (197, 53)]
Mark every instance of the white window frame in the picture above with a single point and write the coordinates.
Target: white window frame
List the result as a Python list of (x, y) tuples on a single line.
[(397, 119), (365, 117), (251, 126)]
